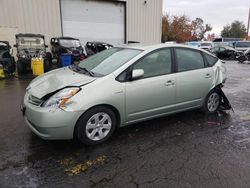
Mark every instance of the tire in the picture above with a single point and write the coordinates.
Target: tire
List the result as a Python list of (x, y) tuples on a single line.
[(232, 57), (91, 124), (49, 57), (46, 65), (241, 59), (20, 67), (13, 65), (212, 102)]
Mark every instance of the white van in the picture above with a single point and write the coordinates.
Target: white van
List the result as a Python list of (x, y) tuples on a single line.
[(242, 45)]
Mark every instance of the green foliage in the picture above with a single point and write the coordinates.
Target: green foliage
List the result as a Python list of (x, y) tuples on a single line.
[(236, 30), (181, 29)]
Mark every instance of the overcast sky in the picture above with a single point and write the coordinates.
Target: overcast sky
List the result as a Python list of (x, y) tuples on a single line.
[(218, 13)]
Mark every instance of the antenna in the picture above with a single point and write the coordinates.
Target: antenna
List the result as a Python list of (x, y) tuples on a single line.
[(248, 23)]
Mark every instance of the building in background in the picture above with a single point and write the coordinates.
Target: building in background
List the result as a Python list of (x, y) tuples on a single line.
[(115, 22)]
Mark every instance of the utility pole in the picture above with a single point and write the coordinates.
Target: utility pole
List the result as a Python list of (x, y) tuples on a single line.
[(248, 23)]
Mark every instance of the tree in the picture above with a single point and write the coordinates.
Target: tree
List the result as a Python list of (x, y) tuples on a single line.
[(236, 30), (176, 28), (199, 29), (181, 29)]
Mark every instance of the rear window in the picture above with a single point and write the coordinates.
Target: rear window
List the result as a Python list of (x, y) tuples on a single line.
[(242, 44), (211, 60)]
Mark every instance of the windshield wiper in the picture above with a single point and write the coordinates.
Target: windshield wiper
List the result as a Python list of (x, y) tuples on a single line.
[(85, 70)]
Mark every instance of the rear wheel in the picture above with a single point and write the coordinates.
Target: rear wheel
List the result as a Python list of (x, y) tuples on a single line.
[(20, 67), (96, 125), (212, 102)]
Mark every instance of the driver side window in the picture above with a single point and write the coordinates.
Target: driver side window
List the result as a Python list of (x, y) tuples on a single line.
[(156, 64)]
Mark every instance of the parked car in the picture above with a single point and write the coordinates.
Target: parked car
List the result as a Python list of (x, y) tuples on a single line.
[(121, 86), (96, 46), (193, 44), (245, 56), (225, 52), (30, 46), (205, 45), (6, 58), (241, 45), (67, 45)]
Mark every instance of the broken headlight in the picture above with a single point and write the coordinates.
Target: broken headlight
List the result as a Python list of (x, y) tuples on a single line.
[(61, 98)]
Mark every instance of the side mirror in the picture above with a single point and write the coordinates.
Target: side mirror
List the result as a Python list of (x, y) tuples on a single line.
[(137, 74)]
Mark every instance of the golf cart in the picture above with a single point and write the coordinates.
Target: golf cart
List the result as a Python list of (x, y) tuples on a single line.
[(30, 46), (7, 61), (95, 47), (66, 45)]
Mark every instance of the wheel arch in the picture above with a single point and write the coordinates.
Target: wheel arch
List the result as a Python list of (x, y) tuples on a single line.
[(114, 109)]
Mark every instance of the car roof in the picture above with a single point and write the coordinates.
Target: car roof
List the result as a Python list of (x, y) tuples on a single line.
[(155, 47), (98, 42), (29, 35), (66, 38)]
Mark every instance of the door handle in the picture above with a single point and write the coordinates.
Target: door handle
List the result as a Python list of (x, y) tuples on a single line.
[(169, 83), (208, 75)]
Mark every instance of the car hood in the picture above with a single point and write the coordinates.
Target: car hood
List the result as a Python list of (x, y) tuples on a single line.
[(55, 80)]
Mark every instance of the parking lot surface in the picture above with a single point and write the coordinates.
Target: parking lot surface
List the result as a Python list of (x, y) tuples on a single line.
[(188, 149)]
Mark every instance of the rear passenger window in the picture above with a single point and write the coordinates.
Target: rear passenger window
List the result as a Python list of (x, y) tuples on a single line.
[(211, 60), (188, 59)]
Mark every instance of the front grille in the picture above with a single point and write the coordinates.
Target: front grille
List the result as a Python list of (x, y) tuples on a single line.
[(34, 100)]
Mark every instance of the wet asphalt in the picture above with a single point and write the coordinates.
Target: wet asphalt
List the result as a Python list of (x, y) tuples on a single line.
[(188, 149)]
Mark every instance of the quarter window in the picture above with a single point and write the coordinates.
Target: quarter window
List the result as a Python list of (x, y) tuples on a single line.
[(155, 64), (211, 60), (188, 59)]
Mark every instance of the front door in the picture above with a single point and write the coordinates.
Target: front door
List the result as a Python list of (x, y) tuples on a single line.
[(154, 94)]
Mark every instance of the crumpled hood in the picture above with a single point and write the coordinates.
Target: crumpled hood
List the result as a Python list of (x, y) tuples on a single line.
[(55, 80)]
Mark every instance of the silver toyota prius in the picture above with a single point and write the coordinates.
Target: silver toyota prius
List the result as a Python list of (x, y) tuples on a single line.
[(121, 86)]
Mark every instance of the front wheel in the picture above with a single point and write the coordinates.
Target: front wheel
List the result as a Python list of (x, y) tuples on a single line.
[(232, 57), (212, 102), (96, 125), (20, 67), (46, 65), (242, 58)]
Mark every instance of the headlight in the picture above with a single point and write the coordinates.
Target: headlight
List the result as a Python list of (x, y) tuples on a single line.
[(61, 98)]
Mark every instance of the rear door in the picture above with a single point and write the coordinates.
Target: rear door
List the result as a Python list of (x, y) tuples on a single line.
[(223, 53), (193, 78), (155, 93)]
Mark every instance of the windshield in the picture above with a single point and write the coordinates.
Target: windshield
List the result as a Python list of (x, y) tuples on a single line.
[(205, 44), (242, 44), (247, 51), (229, 48), (69, 43), (3, 46), (30, 42), (109, 60)]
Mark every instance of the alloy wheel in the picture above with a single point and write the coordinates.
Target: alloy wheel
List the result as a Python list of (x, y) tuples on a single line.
[(213, 102), (98, 126)]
